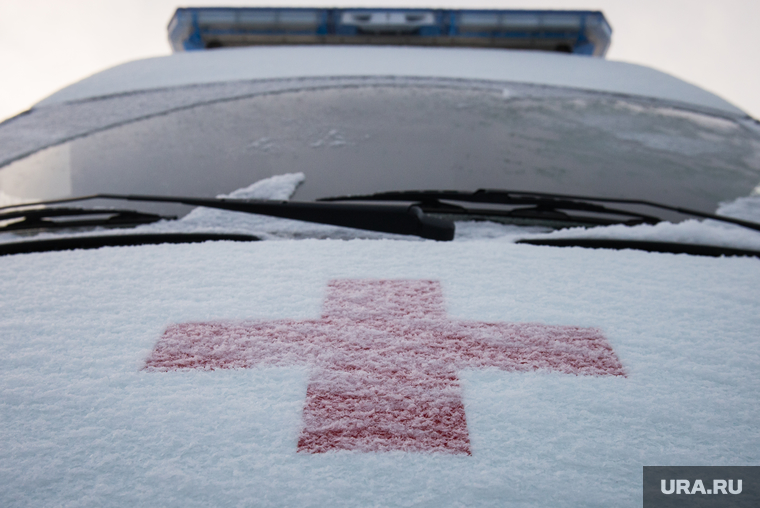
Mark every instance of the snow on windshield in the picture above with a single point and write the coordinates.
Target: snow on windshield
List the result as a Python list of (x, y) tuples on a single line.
[(282, 187), (703, 232)]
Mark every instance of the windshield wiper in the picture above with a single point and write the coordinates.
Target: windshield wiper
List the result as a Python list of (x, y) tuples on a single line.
[(61, 218), (645, 245), (124, 240), (540, 205), (384, 218)]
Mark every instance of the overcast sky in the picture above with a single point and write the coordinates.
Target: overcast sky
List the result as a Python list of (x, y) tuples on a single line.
[(48, 44)]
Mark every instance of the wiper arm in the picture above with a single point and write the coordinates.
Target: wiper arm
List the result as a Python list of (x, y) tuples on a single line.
[(543, 203), (530, 207), (59, 218), (384, 218)]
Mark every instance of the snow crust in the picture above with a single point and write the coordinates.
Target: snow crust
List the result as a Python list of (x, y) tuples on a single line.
[(82, 424), (706, 232), (747, 208), (279, 187), (278, 62)]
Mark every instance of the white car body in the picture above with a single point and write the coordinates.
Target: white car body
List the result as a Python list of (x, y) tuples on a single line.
[(92, 417)]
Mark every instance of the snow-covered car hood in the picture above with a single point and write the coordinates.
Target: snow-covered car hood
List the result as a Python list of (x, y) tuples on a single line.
[(91, 417)]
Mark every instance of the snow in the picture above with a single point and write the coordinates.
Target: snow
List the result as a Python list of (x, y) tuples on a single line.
[(282, 187), (276, 187), (384, 358), (279, 187), (281, 62), (82, 423), (747, 208), (706, 232), (209, 220)]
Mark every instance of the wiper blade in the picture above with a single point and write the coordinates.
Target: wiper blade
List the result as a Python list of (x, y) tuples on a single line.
[(540, 207), (545, 205), (384, 218), (648, 246), (60, 218), (126, 240)]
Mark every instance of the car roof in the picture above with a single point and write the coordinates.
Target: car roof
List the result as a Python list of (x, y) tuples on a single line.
[(277, 62)]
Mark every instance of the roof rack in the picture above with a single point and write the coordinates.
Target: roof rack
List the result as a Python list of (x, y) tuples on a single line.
[(579, 32)]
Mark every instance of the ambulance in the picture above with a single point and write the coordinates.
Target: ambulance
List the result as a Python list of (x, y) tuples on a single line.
[(376, 257)]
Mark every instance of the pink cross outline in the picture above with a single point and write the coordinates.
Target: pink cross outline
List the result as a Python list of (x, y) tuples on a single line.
[(384, 359)]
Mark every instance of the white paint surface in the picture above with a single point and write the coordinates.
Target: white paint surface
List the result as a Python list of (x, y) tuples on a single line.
[(326, 61)]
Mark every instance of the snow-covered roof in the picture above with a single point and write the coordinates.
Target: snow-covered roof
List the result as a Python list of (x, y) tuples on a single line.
[(262, 63)]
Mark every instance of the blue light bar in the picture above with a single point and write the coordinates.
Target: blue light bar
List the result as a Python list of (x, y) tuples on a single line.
[(579, 32)]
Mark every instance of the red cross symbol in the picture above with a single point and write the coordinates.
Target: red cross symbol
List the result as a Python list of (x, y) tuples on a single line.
[(384, 360)]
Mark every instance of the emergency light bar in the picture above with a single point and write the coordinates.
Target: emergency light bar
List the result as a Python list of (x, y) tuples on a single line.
[(579, 32)]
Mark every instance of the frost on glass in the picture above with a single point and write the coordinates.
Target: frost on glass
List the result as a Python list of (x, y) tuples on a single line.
[(365, 139)]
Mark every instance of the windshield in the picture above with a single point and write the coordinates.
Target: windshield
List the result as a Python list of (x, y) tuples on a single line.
[(364, 137)]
